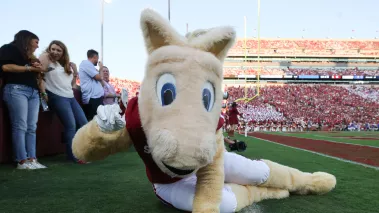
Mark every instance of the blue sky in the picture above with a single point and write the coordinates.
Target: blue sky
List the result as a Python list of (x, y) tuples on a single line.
[(77, 23)]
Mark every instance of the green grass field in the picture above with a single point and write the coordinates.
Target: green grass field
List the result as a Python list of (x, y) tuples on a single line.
[(335, 137), (119, 184)]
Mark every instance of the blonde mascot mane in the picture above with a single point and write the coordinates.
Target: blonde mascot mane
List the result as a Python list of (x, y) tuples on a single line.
[(179, 107)]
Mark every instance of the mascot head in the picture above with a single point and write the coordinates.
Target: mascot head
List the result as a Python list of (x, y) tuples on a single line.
[(180, 96)]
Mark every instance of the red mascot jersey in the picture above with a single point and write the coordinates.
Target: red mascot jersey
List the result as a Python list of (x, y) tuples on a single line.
[(137, 135)]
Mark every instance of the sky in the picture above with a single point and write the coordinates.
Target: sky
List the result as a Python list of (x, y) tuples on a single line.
[(77, 23)]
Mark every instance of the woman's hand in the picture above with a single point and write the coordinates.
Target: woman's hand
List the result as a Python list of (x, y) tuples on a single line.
[(36, 64), (73, 66), (37, 67), (44, 96)]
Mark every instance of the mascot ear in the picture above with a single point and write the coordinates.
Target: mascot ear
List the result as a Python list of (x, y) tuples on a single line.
[(217, 41), (157, 31)]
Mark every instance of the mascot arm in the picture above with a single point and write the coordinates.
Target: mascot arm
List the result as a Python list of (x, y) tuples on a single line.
[(91, 143), (210, 182)]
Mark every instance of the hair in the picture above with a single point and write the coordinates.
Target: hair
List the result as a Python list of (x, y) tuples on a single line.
[(64, 61), (234, 104), (22, 41), (91, 53)]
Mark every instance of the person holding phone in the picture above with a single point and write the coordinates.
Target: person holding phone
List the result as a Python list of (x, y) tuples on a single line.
[(91, 84), (59, 92), (22, 74)]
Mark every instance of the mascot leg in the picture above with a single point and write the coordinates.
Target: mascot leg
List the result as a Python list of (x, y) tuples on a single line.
[(299, 182), (265, 173), (246, 195), (244, 176), (180, 195)]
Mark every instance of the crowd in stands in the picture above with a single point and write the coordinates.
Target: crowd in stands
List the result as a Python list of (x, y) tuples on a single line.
[(306, 47), (234, 71), (131, 86), (370, 93), (307, 105)]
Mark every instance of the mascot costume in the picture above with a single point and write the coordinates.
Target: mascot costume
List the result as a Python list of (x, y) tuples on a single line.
[(175, 126)]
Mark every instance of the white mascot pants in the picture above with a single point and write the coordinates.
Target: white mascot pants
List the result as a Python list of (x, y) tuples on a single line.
[(238, 170)]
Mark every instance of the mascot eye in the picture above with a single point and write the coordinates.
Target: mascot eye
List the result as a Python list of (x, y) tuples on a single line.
[(166, 89), (208, 96)]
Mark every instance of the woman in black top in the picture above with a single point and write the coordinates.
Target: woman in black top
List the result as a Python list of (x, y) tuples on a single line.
[(21, 73)]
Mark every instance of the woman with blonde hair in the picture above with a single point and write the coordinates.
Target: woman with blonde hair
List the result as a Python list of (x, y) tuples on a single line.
[(59, 94)]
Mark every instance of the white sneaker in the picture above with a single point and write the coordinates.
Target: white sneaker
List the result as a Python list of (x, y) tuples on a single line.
[(26, 165), (37, 165)]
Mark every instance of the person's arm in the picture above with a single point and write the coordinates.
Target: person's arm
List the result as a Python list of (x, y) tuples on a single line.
[(44, 60), (18, 69), (103, 84), (42, 88), (91, 71), (108, 94), (227, 140), (75, 74), (7, 56)]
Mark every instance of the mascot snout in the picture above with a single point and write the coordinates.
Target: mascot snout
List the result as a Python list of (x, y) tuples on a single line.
[(182, 152)]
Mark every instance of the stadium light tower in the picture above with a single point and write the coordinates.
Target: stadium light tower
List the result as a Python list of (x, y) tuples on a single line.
[(102, 27), (169, 10)]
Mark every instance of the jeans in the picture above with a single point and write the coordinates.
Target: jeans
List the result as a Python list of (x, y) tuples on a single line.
[(71, 115), (90, 109), (23, 106)]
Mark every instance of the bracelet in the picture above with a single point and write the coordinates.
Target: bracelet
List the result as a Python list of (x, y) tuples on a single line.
[(27, 68), (43, 93)]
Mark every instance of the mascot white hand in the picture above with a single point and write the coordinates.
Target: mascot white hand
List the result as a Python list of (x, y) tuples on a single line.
[(108, 118), (124, 96)]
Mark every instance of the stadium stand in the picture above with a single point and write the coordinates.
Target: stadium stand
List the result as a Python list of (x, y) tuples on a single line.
[(330, 105), (307, 47)]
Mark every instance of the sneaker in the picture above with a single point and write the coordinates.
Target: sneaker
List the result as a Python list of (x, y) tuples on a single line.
[(37, 165), (26, 165)]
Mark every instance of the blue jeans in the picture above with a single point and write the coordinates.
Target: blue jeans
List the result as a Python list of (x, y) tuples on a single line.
[(23, 106), (71, 115)]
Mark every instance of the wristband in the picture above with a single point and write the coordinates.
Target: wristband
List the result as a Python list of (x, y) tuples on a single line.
[(43, 93), (27, 68)]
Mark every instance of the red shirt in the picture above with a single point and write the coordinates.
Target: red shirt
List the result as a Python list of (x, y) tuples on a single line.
[(233, 119), (137, 134)]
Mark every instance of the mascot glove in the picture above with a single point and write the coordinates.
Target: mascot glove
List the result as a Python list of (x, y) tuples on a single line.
[(124, 96), (108, 118)]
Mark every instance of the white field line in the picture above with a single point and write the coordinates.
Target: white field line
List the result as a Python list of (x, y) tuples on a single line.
[(288, 135), (324, 155), (321, 136)]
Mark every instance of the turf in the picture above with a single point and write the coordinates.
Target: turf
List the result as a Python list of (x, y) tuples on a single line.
[(334, 137), (119, 184)]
